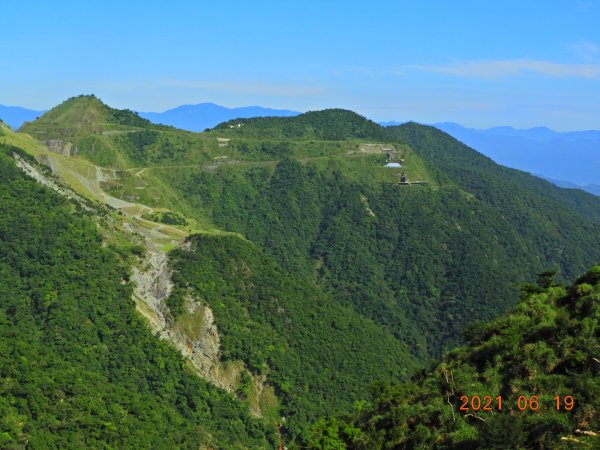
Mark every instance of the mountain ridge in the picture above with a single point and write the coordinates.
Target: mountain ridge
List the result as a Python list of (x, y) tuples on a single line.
[(569, 156), (15, 116), (198, 117), (306, 203), (524, 149), (327, 124)]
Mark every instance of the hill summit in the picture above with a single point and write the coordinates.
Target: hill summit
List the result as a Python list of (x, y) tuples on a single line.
[(82, 115), (329, 124)]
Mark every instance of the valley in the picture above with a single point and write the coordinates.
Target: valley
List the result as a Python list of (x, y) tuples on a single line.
[(284, 263)]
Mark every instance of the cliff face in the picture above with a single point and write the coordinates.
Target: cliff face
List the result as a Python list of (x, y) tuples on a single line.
[(152, 284), (61, 147), (194, 333), (198, 332)]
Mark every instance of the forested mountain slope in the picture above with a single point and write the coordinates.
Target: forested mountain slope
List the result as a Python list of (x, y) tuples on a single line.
[(312, 192), (503, 187), (530, 379), (317, 354), (323, 271), (558, 224), (417, 259), (78, 367)]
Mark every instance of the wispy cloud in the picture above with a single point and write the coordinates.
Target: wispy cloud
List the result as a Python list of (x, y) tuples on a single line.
[(492, 69), (587, 51), (586, 4)]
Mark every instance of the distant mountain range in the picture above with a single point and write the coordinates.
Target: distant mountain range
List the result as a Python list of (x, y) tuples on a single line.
[(567, 159), (570, 156), (208, 115), (15, 116), (591, 188)]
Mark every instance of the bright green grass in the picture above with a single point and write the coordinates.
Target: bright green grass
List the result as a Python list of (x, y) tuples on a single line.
[(21, 140)]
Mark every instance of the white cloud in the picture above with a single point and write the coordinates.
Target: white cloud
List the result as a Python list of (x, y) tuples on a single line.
[(587, 4), (502, 68), (587, 51)]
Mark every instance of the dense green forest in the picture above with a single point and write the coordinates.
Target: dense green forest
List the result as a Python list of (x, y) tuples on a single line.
[(323, 272), (319, 355), (78, 367), (330, 124), (542, 213), (539, 366), (422, 262)]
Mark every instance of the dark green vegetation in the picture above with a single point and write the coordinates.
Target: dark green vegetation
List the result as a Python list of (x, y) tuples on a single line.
[(78, 367), (543, 214), (329, 125), (319, 355), (337, 275), (168, 217), (547, 346), (423, 262)]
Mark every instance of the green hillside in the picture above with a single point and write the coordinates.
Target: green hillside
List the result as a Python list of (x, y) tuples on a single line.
[(319, 355), (78, 366), (323, 271), (530, 379), (330, 125), (9, 137), (423, 261), (81, 115), (86, 126), (412, 255), (543, 214)]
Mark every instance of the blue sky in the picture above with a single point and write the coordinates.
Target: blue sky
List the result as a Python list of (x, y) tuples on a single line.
[(480, 63)]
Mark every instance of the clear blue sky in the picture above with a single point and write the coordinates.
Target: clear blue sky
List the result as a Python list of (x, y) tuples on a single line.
[(480, 63)]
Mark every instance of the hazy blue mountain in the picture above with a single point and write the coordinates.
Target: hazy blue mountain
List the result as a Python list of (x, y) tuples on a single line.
[(207, 115), (391, 123), (569, 156), (591, 188), (15, 115)]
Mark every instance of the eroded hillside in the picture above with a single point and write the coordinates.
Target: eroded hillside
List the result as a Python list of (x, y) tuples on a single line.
[(284, 256)]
